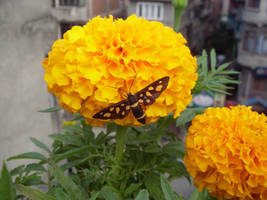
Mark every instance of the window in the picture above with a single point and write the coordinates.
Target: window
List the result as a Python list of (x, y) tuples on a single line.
[(152, 11), (250, 41), (71, 2), (254, 3), (264, 45)]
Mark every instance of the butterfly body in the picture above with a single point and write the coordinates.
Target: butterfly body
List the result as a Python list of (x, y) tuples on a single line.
[(133, 102)]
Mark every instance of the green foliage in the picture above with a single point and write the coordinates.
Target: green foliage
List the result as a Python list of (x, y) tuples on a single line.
[(94, 167), (204, 195), (53, 109), (215, 79), (7, 191), (117, 163), (33, 193), (167, 190)]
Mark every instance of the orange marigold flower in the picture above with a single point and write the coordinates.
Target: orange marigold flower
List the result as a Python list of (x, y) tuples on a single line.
[(227, 153), (86, 68)]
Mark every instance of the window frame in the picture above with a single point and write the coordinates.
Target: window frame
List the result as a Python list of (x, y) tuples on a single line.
[(264, 39), (147, 14), (69, 3), (249, 2), (245, 41)]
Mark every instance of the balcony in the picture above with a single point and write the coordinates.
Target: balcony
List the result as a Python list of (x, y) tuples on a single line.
[(255, 12), (70, 10)]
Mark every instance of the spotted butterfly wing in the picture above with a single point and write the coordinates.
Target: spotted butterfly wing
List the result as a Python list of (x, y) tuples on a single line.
[(115, 111), (148, 95), (145, 96)]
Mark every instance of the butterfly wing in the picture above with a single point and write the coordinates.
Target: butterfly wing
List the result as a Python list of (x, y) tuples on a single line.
[(148, 95), (115, 111)]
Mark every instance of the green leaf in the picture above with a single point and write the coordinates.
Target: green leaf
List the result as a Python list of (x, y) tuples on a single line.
[(133, 187), (53, 109), (71, 153), (204, 62), (67, 138), (213, 60), (94, 196), (17, 170), (7, 191), (167, 190), (222, 67), (74, 192), (61, 195), (187, 115), (174, 148), (40, 144), (109, 194), (29, 155), (33, 193), (229, 72), (142, 195), (152, 183), (35, 167), (33, 179)]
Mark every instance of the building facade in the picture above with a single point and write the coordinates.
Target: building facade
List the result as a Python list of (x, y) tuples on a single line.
[(252, 55), (198, 21)]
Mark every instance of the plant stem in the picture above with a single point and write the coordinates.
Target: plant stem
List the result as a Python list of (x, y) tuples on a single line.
[(121, 137), (179, 6)]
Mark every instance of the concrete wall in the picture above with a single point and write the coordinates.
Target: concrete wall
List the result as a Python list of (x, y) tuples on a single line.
[(27, 33)]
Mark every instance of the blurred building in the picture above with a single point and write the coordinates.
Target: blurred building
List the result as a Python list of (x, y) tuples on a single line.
[(77, 12), (198, 22), (28, 30), (252, 55)]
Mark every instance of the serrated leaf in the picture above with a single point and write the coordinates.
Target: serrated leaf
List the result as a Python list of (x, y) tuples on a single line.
[(74, 192), (167, 190), (52, 109), (29, 155), (7, 191), (40, 144), (109, 194), (33, 193), (152, 183), (212, 60), (61, 195), (142, 195)]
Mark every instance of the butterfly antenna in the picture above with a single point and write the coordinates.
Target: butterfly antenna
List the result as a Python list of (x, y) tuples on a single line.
[(132, 83), (121, 91)]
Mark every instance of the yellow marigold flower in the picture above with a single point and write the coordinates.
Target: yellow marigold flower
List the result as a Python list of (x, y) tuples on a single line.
[(227, 153), (86, 68)]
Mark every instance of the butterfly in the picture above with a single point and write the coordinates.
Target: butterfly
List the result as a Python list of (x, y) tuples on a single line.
[(146, 96)]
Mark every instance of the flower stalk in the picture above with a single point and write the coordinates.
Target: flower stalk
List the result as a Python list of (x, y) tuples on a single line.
[(121, 138), (179, 6)]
